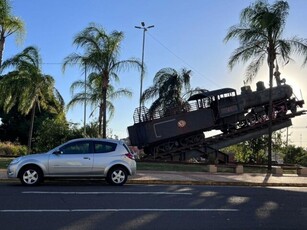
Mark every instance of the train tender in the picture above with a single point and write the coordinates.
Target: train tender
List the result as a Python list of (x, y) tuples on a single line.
[(220, 109)]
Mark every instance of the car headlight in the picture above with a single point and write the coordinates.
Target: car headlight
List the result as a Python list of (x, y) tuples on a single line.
[(16, 160)]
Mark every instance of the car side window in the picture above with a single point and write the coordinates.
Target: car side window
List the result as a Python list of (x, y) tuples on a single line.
[(76, 148), (104, 147)]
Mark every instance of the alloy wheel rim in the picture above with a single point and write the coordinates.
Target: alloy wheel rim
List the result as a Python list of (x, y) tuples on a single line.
[(118, 176), (30, 176)]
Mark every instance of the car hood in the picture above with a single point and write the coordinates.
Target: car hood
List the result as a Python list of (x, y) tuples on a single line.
[(34, 155)]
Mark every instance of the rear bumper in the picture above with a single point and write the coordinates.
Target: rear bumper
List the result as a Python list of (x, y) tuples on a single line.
[(133, 169)]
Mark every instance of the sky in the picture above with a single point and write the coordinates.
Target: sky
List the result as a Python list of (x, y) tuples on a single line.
[(186, 34)]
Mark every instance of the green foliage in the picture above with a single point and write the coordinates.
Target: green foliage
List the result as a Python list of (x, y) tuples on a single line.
[(92, 129), (5, 161), (93, 96), (9, 24), (157, 166), (27, 88), (54, 132), (252, 151), (167, 90), (15, 126), (260, 35), (12, 149), (101, 57), (295, 155)]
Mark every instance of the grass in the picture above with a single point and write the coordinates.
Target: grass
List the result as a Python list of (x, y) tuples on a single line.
[(154, 166), (4, 162), (158, 166)]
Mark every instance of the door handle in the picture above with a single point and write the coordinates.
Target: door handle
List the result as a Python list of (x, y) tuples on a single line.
[(86, 158)]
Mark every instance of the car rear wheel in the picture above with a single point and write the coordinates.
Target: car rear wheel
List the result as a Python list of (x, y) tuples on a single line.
[(31, 175), (117, 176)]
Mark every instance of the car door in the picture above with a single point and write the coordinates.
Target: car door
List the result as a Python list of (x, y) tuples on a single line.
[(104, 154), (72, 159)]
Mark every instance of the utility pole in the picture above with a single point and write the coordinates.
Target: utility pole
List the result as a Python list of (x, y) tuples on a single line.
[(144, 28), (84, 118)]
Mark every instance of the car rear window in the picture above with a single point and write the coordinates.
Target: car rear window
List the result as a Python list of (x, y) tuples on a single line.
[(127, 148), (104, 147)]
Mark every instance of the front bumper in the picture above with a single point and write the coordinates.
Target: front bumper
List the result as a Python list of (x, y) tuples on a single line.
[(12, 171)]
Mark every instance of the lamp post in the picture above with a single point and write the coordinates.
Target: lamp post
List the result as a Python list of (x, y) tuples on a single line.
[(144, 28), (85, 75)]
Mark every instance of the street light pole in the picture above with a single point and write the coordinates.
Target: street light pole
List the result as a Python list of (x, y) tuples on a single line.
[(144, 28), (85, 75)]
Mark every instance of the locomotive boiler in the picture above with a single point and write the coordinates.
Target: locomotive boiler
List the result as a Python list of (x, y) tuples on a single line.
[(220, 109)]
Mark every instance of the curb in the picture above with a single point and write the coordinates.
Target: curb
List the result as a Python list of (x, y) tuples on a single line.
[(178, 182), (215, 183)]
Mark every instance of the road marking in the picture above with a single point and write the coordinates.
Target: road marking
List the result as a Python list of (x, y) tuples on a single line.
[(108, 193), (118, 210)]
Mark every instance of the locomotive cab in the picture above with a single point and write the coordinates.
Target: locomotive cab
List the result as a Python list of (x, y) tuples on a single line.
[(224, 104)]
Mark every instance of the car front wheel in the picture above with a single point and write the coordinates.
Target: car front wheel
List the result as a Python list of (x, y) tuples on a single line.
[(117, 176), (31, 175)]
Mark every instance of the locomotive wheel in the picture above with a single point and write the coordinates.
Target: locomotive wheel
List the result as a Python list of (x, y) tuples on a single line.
[(262, 117), (166, 147), (250, 119), (186, 141), (282, 114), (191, 140), (198, 138)]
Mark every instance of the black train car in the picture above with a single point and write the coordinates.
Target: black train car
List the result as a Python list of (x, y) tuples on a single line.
[(220, 109), (208, 110), (224, 104), (165, 128)]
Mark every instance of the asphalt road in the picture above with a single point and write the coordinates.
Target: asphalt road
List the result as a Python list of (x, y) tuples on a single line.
[(98, 206)]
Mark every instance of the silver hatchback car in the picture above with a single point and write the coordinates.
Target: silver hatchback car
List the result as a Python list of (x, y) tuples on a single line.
[(85, 157)]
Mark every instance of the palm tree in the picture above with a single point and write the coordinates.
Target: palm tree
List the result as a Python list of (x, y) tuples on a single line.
[(101, 53), (260, 35), (93, 95), (168, 86), (9, 25), (27, 87)]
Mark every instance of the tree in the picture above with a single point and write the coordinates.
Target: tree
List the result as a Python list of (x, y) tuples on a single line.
[(9, 25), (53, 132), (260, 35), (101, 53), (168, 86), (93, 95), (27, 87), (251, 151), (295, 155)]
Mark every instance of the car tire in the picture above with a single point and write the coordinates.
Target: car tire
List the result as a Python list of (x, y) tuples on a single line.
[(117, 176), (31, 175)]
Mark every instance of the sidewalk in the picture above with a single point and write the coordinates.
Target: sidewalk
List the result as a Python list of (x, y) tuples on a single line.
[(205, 178)]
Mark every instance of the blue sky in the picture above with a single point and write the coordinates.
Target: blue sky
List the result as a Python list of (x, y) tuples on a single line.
[(186, 34)]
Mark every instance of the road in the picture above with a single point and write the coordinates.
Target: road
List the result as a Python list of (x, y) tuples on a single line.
[(89, 205)]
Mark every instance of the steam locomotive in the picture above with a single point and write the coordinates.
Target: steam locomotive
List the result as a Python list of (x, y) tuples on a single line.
[(220, 109)]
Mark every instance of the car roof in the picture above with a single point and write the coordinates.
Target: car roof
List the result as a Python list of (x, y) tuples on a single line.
[(96, 139)]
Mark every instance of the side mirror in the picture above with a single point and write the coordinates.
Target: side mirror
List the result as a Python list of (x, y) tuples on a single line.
[(57, 152)]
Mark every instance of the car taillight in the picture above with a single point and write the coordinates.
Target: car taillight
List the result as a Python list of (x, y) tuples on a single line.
[(130, 155)]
